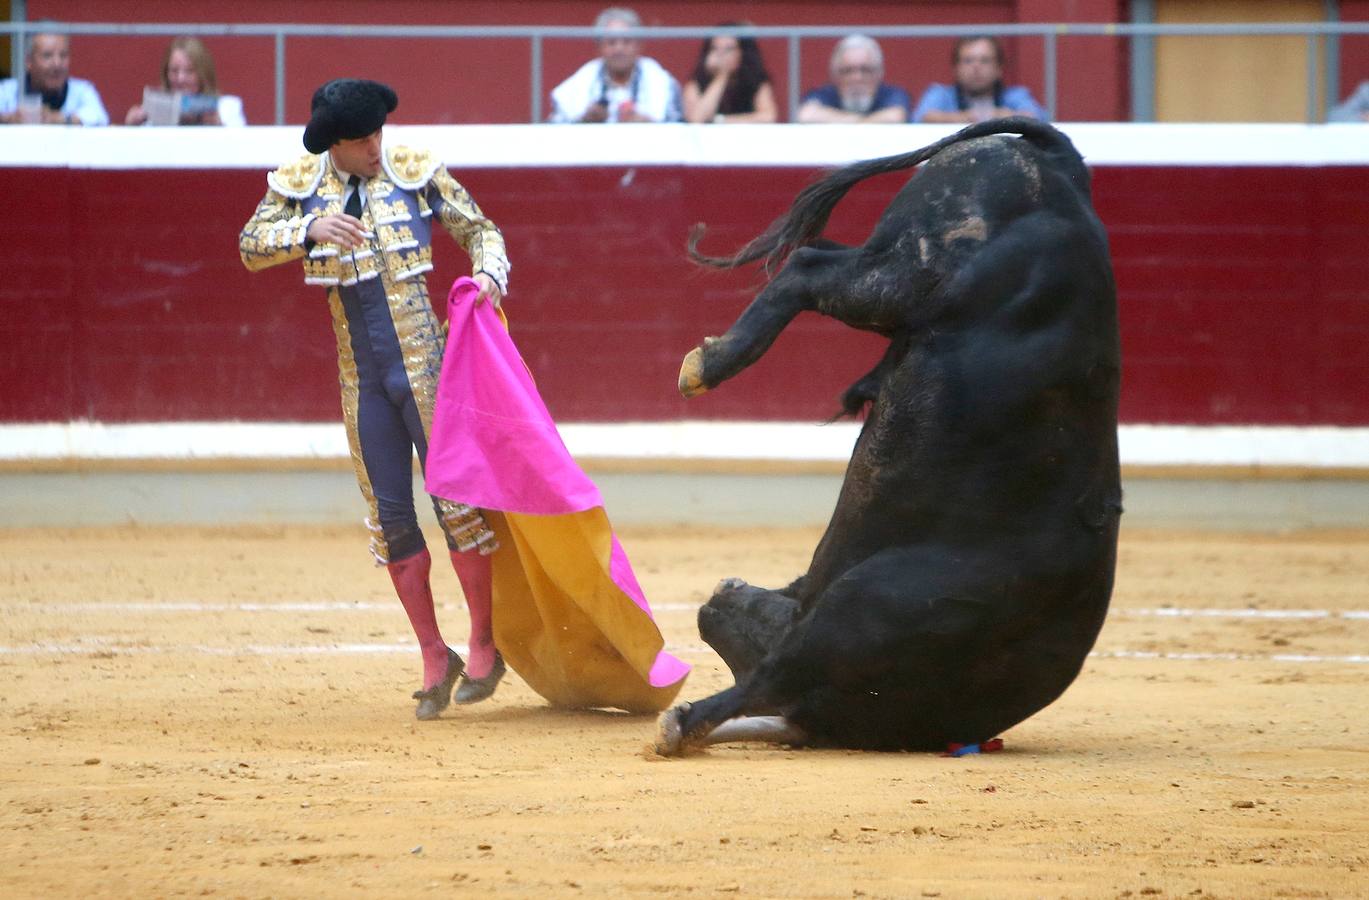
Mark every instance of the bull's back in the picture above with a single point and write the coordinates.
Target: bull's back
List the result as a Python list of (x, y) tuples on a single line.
[(1000, 420)]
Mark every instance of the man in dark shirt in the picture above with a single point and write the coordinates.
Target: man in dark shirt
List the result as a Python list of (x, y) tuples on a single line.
[(48, 94)]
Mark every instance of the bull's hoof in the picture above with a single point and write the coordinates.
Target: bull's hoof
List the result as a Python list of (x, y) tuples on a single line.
[(691, 374), (670, 737)]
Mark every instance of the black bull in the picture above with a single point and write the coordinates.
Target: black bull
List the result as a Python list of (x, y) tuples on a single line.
[(967, 567)]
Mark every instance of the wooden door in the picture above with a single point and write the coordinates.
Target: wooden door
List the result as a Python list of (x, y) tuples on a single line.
[(1247, 78)]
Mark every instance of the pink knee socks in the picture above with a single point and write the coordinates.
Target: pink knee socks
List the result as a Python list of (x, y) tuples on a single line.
[(410, 577), (476, 576)]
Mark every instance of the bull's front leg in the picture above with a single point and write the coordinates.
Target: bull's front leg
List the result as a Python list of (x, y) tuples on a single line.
[(724, 717), (809, 273)]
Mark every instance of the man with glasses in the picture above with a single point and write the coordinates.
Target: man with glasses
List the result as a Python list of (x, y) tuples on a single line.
[(857, 92), (621, 85)]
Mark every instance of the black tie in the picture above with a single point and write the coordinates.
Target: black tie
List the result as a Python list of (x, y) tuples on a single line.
[(353, 207)]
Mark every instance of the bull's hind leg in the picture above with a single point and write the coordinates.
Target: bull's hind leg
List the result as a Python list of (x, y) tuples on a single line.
[(743, 623), (835, 282)]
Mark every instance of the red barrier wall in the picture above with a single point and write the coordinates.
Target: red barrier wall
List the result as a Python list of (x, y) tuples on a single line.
[(1243, 298), (443, 81)]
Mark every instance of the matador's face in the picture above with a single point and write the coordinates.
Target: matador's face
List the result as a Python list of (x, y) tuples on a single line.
[(360, 156)]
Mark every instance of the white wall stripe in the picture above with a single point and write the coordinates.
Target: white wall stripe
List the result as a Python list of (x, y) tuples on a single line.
[(1185, 445), (781, 145)]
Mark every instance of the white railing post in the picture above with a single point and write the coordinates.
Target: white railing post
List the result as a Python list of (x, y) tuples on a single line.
[(793, 77), (535, 77), (1050, 72), (280, 77)]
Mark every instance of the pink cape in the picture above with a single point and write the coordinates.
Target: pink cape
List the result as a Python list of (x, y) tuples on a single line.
[(569, 615)]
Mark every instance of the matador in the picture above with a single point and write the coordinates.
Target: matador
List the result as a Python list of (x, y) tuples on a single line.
[(360, 215)]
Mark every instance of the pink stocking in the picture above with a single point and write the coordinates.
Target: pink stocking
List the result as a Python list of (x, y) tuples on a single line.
[(476, 576), (410, 576)]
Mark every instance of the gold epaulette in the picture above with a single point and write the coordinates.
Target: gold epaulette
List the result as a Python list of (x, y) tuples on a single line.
[(298, 179), (410, 168)]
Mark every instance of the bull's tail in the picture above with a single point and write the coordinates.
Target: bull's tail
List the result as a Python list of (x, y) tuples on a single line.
[(807, 218)]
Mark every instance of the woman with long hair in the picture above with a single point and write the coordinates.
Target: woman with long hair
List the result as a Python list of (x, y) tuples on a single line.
[(188, 69), (730, 83)]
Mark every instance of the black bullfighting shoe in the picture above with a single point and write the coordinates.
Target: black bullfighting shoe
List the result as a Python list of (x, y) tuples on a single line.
[(435, 699), (473, 690)]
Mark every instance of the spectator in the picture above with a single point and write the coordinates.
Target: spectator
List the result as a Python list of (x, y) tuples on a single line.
[(857, 92), (188, 69), (64, 100), (978, 93), (1354, 109), (730, 83), (620, 86)]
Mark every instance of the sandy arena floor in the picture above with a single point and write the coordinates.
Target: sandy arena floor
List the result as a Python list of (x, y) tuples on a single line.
[(227, 713)]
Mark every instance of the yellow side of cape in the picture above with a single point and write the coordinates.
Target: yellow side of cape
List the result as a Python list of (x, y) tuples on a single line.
[(563, 624)]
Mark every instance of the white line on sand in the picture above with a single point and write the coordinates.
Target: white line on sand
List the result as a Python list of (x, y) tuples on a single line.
[(171, 606), (96, 646), (1164, 612), (1167, 612), (1229, 657)]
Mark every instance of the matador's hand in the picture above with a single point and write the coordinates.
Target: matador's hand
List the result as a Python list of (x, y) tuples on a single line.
[(488, 290), (340, 229)]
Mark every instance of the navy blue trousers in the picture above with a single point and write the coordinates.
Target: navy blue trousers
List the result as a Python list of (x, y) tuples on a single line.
[(389, 427)]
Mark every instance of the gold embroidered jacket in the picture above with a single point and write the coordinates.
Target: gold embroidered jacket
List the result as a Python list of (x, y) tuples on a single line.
[(412, 189)]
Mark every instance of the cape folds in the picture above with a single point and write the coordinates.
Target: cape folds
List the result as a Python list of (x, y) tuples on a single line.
[(569, 615)]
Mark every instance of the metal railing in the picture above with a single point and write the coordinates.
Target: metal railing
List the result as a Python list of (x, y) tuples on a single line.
[(1321, 66)]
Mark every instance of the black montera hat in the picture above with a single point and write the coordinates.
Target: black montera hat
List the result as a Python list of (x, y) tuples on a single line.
[(347, 108)]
